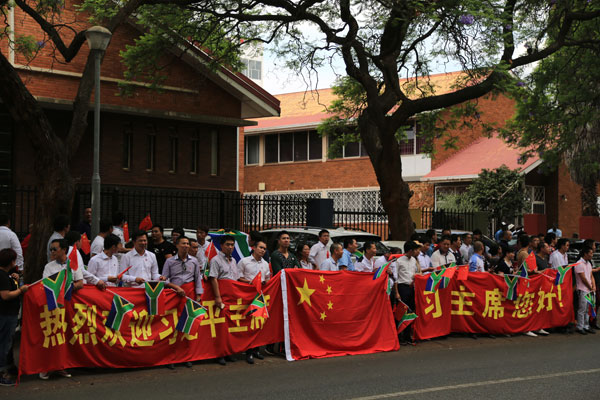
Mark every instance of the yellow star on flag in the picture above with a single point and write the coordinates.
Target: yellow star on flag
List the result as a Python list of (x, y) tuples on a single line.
[(330, 305), (305, 293), (323, 316), (328, 289), (322, 278)]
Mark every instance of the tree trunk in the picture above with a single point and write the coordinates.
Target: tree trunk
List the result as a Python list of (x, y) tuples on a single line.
[(589, 199), (384, 153), (51, 165)]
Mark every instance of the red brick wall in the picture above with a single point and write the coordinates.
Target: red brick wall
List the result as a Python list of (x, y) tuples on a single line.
[(492, 110), (210, 99), (111, 153)]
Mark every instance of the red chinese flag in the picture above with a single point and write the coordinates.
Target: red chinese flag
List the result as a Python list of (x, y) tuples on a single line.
[(126, 232), (399, 310), (146, 223), (85, 244), (449, 272), (210, 252), (257, 282), (530, 262), (73, 262), (463, 272), (338, 313)]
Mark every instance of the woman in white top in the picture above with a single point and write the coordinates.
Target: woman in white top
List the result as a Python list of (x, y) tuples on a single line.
[(302, 253)]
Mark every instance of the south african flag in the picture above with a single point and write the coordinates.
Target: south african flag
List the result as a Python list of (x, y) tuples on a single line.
[(68, 281), (561, 272), (510, 293), (436, 280), (381, 270), (53, 287), (120, 307), (192, 311), (591, 301), (258, 307), (155, 298)]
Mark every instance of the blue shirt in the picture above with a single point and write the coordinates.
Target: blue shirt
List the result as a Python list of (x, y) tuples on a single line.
[(346, 260), (476, 263), (497, 235)]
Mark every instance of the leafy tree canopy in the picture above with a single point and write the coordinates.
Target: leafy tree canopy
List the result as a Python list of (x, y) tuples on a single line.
[(499, 191)]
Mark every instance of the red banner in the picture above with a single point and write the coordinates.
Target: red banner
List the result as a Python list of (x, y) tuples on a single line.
[(477, 305), (75, 336), (337, 313)]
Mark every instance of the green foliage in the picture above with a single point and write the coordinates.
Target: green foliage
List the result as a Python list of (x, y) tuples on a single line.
[(558, 108), (456, 202), (500, 192), (26, 45)]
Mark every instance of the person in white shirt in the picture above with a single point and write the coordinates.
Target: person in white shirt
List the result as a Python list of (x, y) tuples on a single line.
[(97, 245), (250, 267), (467, 247), (193, 252), (203, 243), (442, 255), (61, 227), (407, 269), (319, 251), (142, 262), (253, 264), (331, 264), (559, 257), (423, 259), (367, 264), (105, 265), (58, 254), (73, 239), (9, 240)]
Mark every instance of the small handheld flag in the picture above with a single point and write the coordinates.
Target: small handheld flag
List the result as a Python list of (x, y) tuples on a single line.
[(405, 321), (146, 223), (257, 282), (463, 273), (68, 281), (73, 260), (192, 312), (510, 293), (591, 301), (530, 263), (258, 307), (120, 307), (126, 232), (561, 272), (155, 298), (381, 270), (86, 247), (211, 251), (53, 287), (523, 271), (436, 279)]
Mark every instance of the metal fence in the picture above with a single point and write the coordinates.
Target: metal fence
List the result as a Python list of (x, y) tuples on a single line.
[(171, 208), (440, 219), (375, 222)]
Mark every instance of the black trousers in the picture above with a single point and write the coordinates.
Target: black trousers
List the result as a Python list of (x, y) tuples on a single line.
[(407, 295)]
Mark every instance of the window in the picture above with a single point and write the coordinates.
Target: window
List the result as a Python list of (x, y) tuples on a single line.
[(195, 148), (127, 146), (536, 200), (271, 148), (252, 69), (315, 146), (412, 144), (173, 144), (293, 146), (354, 150), (150, 148), (252, 149), (214, 152)]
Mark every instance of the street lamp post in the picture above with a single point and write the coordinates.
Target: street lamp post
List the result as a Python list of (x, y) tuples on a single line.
[(97, 39)]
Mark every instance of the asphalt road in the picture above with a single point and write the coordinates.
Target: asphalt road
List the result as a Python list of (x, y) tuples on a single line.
[(559, 366)]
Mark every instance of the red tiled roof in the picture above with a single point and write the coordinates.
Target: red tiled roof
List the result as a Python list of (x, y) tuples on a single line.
[(488, 153), (310, 108)]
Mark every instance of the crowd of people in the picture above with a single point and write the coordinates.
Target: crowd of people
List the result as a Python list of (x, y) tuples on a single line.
[(151, 257)]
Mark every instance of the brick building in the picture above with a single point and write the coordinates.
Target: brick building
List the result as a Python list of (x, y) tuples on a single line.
[(184, 136), (286, 158)]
